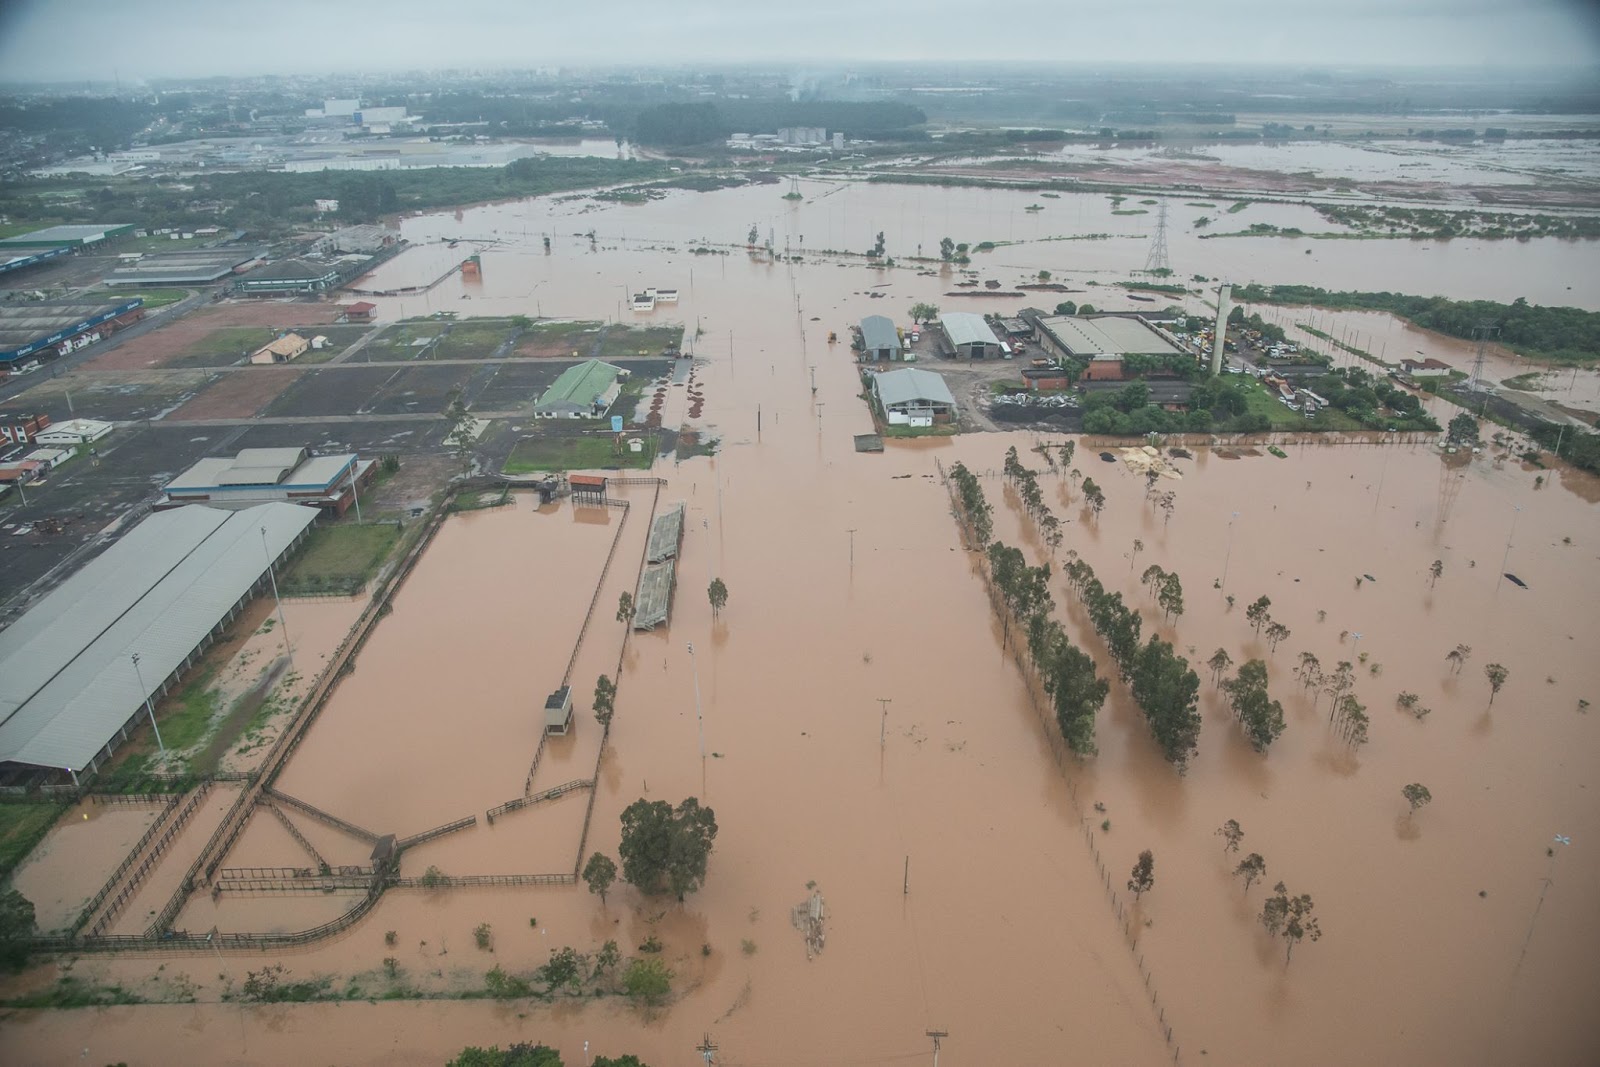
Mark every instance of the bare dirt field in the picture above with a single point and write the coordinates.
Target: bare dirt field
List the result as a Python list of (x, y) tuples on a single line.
[(238, 394), (171, 344)]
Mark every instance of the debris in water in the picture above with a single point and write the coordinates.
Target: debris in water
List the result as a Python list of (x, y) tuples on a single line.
[(1369, 577), (1108, 457), (1514, 580), (807, 917)]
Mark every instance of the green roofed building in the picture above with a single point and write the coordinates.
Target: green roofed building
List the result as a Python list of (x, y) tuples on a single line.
[(585, 391)]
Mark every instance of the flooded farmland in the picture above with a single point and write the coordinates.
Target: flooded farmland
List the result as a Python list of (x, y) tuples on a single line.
[(956, 848)]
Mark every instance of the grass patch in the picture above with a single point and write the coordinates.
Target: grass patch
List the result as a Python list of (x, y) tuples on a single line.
[(155, 298), (570, 453), (638, 340), (339, 558), (948, 429), (230, 341), (1281, 418), (189, 713), (1130, 211), (472, 339), (1238, 206), (1529, 382), (477, 499), (71, 992), (21, 827)]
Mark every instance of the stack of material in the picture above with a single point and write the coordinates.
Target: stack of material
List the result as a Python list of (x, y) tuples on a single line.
[(807, 917)]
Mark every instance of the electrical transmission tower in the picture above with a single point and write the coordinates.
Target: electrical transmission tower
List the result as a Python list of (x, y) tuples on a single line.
[(707, 1049), (1484, 331), (1156, 262)]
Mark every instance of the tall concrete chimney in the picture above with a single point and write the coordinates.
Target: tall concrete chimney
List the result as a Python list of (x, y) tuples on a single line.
[(1217, 344)]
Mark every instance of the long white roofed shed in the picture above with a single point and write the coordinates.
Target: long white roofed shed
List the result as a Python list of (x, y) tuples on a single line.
[(969, 335), (69, 692)]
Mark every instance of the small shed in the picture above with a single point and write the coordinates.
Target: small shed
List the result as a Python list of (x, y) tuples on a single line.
[(558, 712), (879, 339), (361, 311), (587, 487)]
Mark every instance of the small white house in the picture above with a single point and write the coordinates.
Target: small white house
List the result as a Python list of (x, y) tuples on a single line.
[(48, 458), (72, 433), (318, 343)]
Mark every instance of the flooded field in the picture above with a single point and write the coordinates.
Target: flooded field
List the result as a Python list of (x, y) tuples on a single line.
[(956, 849), (61, 874)]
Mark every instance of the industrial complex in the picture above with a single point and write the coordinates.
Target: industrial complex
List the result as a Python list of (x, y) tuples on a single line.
[(262, 475), (59, 326)]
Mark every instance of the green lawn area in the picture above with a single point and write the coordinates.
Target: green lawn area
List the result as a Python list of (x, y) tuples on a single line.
[(21, 827), (472, 339), (186, 715), (339, 558), (231, 341), (17, 229), (155, 298), (1281, 418), (639, 340), (575, 453), (948, 429)]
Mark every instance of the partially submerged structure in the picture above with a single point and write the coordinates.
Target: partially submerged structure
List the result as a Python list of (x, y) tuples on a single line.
[(652, 602), (558, 712), (1101, 341), (913, 397)]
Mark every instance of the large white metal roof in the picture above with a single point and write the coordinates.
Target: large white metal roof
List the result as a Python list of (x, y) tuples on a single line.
[(912, 386), (1108, 336), (67, 678), (966, 328)]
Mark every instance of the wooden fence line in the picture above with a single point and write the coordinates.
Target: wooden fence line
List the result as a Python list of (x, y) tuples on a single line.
[(437, 831), (294, 832), (172, 800), (157, 848)]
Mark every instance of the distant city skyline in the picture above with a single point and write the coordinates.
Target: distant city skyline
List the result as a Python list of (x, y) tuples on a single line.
[(59, 41)]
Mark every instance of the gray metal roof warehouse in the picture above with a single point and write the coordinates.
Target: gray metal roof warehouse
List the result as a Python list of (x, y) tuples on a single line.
[(69, 690)]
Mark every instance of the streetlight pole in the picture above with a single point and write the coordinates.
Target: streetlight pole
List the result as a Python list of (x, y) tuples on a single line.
[(355, 485), (271, 573), (149, 710), (1509, 535), (1356, 644), (1228, 555), (699, 720)]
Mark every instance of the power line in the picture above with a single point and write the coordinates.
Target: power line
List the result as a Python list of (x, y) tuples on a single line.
[(1156, 261)]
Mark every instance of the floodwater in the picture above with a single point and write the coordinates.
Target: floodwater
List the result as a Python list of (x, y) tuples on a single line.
[(1522, 162), (62, 873), (962, 892)]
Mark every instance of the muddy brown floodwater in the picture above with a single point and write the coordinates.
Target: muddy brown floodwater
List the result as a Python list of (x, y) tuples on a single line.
[(1448, 937)]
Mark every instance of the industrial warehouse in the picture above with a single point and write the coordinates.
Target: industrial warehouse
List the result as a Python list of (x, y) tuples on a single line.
[(265, 475), (57, 327), (78, 670)]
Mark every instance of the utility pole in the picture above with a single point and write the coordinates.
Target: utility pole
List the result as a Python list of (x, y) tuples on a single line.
[(905, 886), (149, 710), (820, 405), (852, 533), (707, 1049), (883, 728), (1509, 535), (937, 1036), (695, 664), (284, 626), (1228, 555)]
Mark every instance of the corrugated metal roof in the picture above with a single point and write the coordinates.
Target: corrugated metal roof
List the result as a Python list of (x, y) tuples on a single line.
[(877, 331), (67, 680), (911, 386), (1109, 336), (578, 387), (965, 328)]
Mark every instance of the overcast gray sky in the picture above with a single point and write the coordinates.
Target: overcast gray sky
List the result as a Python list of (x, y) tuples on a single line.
[(77, 39)]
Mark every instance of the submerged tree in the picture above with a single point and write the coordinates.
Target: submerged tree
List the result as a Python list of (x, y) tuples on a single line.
[(1231, 835), (1170, 597), (717, 591), (1434, 572), (665, 848), (605, 695), (16, 929), (599, 873), (1094, 497), (1458, 657), (1258, 613), (625, 607), (1276, 632), (1497, 676), (1144, 874), (1219, 662), (1416, 795), (1138, 547), (1259, 715), (1251, 868)]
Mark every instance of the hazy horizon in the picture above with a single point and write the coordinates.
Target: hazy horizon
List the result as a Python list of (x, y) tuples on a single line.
[(53, 41)]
